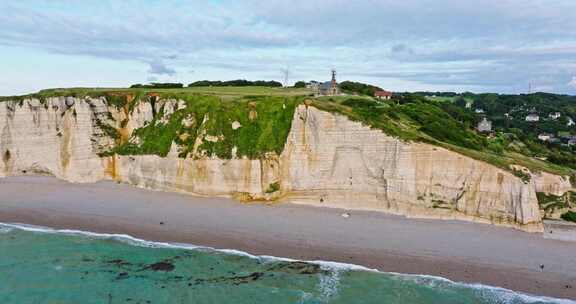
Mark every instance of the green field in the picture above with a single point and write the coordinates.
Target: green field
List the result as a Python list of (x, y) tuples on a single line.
[(224, 92)]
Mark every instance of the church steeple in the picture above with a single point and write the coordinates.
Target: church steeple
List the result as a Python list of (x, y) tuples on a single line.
[(333, 84)]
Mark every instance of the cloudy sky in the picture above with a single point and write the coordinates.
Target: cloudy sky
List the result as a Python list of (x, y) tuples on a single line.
[(456, 45)]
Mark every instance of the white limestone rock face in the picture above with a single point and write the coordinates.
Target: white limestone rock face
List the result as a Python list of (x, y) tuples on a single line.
[(50, 137), (551, 184), (332, 161), (328, 160)]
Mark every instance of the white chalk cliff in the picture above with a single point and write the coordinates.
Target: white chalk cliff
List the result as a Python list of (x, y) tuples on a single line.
[(328, 160)]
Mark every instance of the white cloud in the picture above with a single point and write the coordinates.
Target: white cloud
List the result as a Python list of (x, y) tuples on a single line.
[(572, 82)]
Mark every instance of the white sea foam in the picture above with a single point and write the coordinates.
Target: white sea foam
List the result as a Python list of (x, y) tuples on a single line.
[(5, 229), (486, 291), (329, 284)]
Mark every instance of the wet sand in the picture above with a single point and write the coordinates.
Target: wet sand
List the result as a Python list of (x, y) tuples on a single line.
[(460, 251)]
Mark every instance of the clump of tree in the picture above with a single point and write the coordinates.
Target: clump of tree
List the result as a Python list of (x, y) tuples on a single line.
[(300, 84), (563, 158), (569, 216), (358, 88), (235, 83), (158, 85)]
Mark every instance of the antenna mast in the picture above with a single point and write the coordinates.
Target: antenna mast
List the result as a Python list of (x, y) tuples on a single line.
[(286, 74)]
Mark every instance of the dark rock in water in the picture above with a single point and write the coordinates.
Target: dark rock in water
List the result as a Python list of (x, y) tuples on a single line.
[(236, 280), (249, 278), (118, 262), (297, 267), (160, 266), (122, 276)]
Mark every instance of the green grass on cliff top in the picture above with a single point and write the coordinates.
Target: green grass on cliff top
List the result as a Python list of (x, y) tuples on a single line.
[(224, 92)]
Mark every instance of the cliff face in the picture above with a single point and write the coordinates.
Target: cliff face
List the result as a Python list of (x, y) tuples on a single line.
[(337, 162), (328, 160)]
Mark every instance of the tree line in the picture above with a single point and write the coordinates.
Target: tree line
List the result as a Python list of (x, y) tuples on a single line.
[(209, 83)]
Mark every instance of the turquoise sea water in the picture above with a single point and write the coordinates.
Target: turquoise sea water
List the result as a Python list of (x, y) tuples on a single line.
[(41, 265)]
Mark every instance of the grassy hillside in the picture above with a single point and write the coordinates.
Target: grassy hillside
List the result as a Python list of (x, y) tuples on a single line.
[(419, 119)]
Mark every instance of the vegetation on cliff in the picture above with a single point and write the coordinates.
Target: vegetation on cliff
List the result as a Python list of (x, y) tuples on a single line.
[(569, 216), (413, 117), (553, 204), (203, 125), (358, 88)]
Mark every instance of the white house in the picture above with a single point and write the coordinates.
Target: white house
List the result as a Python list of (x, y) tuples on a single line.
[(484, 126), (479, 111), (554, 116), (570, 122), (533, 117), (544, 137)]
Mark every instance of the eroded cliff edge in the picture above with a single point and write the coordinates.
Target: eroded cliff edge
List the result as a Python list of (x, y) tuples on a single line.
[(327, 160)]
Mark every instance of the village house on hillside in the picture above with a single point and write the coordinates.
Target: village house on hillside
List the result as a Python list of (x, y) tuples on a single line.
[(545, 136), (555, 115), (381, 94), (484, 125), (533, 117)]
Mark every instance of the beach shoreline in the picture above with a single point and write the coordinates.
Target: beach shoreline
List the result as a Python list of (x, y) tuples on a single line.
[(460, 251)]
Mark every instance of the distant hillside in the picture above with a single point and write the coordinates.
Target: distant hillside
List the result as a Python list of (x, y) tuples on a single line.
[(555, 114)]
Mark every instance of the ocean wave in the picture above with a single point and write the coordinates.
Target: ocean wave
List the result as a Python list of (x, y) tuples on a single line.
[(5, 229), (329, 283), (335, 268)]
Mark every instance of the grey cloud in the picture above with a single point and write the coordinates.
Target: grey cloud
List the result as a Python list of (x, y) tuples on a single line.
[(159, 68), (475, 52), (168, 36), (495, 78), (415, 19), (488, 44)]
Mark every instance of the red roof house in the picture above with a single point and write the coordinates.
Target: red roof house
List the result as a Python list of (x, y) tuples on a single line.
[(383, 94)]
